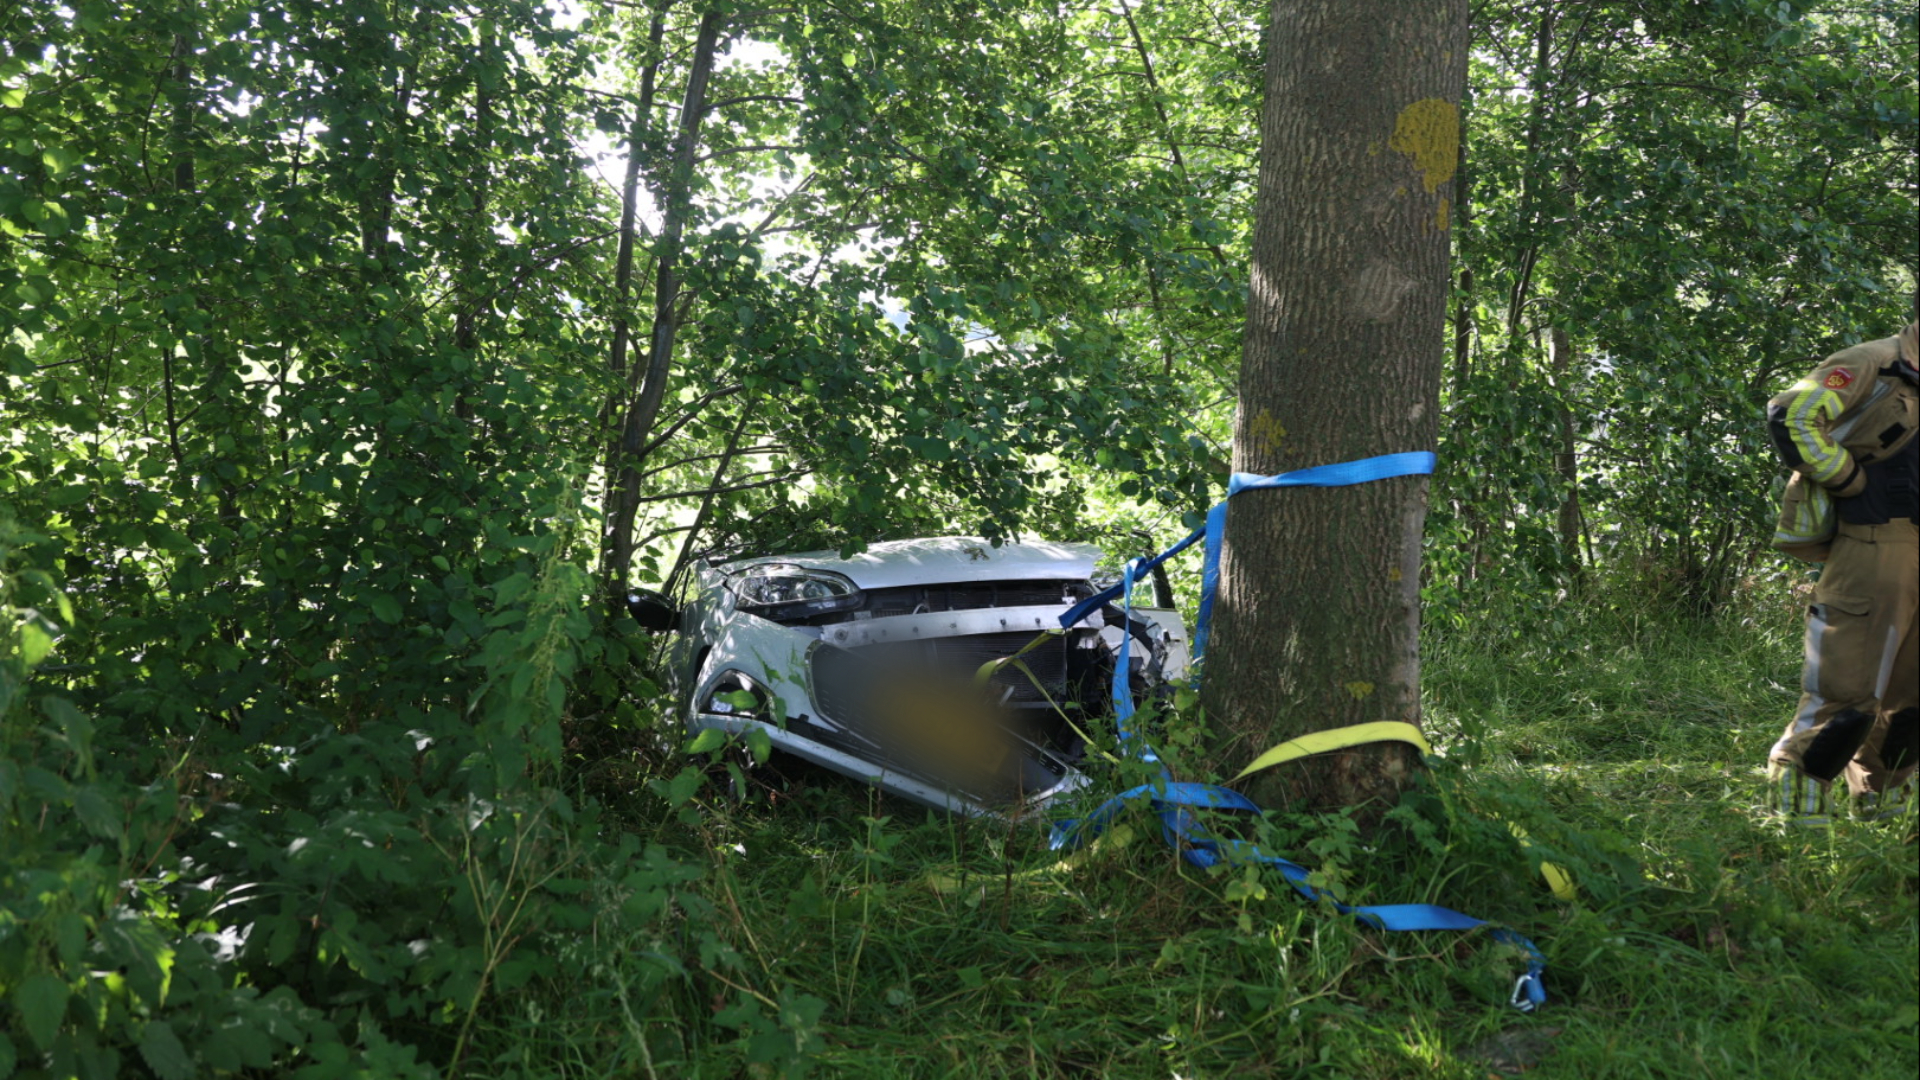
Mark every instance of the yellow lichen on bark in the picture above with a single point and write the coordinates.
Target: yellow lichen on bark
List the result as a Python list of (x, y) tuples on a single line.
[(1428, 131), (1267, 431)]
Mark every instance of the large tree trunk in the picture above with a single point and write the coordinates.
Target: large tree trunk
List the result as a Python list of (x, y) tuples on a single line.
[(1318, 616)]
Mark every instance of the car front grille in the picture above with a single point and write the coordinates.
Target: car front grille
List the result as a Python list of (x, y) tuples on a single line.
[(1061, 674), (972, 596), (1048, 681)]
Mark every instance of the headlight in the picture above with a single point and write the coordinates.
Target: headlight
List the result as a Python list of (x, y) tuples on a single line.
[(780, 591), (734, 694)]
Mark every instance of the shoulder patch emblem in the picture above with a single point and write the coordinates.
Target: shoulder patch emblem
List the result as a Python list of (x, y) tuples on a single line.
[(1838, 378)]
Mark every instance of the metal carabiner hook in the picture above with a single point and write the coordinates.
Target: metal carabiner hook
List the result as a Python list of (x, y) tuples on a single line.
[(1522, 998)]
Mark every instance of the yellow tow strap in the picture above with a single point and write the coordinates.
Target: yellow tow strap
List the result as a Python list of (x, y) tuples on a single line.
[(1316, 742), (1557, 879), (986, 671), (1321, 742)]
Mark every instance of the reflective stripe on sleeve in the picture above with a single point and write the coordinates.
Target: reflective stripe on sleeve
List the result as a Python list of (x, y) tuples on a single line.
[(1824, 456)]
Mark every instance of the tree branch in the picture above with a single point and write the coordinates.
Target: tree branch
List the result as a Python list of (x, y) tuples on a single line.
[(767, 481), (774, 448), (693, 410), (744, 98), (732, 150)]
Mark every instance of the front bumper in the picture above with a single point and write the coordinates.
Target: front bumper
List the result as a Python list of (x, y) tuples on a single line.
[(825, 701)]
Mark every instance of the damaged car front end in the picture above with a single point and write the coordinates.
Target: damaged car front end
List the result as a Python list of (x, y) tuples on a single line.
[(936, 669)]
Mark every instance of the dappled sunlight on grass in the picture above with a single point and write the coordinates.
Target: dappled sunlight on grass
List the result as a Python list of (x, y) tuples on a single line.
[(1706, 940)]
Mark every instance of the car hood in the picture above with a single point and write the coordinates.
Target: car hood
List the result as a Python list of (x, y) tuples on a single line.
[(943, 560)]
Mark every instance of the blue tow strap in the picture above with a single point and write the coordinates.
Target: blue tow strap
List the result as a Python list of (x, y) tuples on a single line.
[(1173, 802)]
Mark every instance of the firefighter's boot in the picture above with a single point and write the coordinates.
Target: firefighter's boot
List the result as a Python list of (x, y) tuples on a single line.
[(1796, 798), (1884, 805)]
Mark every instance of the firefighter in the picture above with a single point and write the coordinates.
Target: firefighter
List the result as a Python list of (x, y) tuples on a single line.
[(1849, 428)]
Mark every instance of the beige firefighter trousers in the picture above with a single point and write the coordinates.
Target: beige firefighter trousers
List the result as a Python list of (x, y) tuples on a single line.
[(1860, 689)]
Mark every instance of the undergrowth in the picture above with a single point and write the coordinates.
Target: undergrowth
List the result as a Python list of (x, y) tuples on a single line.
[(1705, 940), (525, 890)]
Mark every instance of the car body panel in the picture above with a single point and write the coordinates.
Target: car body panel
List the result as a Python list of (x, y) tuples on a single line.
[(954, 601), (895, 781), (945, 624), (943, 559)]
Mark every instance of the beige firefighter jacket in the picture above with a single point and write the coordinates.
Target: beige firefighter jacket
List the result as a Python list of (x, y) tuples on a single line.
[(1858, 406)]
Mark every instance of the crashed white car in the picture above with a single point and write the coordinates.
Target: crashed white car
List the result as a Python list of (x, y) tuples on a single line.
[(875, 666)]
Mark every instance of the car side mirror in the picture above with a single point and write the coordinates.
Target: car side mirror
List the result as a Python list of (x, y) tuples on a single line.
[(652, 610)]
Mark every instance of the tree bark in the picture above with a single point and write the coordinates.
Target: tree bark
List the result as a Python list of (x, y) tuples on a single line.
[(466, 333), (1529, 254), (1317, 617), (1463, 301), (638, 147), (677, 203), (625, 376), (1567, 455)]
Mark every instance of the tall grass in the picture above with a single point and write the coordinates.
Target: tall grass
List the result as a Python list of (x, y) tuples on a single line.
[(871, 938)]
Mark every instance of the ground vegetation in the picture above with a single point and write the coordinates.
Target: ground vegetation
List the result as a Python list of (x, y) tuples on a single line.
[(355, 354)]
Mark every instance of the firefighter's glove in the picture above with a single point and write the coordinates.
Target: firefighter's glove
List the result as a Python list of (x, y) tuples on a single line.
[(1849, 483)]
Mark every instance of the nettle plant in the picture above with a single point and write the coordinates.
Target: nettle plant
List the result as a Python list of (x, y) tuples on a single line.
[(352, 904), (101, 954), (404, 892)]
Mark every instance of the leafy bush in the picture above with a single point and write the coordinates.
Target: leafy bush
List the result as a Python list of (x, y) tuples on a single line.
[(355, 904)]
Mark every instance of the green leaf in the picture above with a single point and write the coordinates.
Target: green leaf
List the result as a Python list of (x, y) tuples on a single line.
[(385, 608), (75, 727), (70, 934), (759, 743), (511, 589), (9, 1057), (136, 945), (163, 1053), (741, 700), (682, 786), (708, 739), (96, 813), (283, 939), (42, 1000), (35, 643), (55, 221), (238, 1042)]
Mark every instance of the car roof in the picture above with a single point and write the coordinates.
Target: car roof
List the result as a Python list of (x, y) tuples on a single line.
[(942, 560)]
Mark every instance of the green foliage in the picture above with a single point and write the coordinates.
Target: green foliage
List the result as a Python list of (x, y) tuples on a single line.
[(1697, 203), (1705, 941), (321, 757), (361, 903), (97, 957)]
